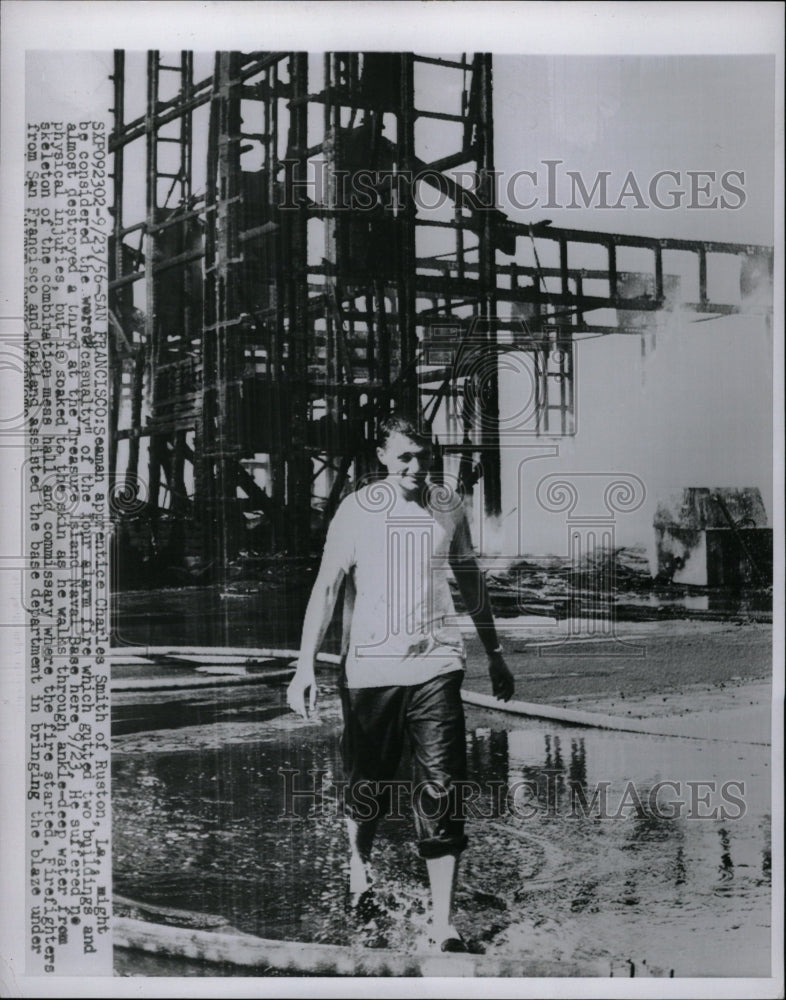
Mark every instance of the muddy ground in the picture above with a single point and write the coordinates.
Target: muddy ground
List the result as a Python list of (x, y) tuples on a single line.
[(670, 660)]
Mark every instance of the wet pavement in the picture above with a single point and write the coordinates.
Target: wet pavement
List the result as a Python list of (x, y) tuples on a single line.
[(200, 824)]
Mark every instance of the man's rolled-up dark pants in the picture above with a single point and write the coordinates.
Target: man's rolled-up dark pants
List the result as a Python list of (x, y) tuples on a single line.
[(377, 722)]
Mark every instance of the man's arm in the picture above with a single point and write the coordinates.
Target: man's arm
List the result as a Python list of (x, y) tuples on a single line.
[(318, 615), (472, 585)]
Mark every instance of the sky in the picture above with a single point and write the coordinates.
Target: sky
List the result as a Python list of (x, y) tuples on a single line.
[(645, 115)]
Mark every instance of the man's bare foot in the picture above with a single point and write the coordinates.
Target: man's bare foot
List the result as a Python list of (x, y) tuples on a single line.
[(448, 939), (439, 934), (360, 878)]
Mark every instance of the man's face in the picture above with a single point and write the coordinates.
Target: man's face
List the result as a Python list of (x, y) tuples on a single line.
[(406, 460)]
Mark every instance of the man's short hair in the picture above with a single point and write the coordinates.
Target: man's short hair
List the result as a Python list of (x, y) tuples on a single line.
[(401, 423)]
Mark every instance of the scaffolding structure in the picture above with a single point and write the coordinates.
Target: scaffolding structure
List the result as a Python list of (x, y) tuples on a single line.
[(329, 267)]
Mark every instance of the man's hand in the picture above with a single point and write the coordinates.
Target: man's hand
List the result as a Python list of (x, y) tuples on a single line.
[(296, 692), (502, 683)]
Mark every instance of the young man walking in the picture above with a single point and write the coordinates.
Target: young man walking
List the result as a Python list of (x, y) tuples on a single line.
[(393, 541)]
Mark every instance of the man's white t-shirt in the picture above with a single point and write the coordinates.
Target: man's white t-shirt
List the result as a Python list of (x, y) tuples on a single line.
[(400, 625)]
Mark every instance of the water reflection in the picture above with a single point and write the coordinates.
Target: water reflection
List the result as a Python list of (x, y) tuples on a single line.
[(206, 829), (170, 710), (726, 867), (630, 896), (577, 772), (679, 871)]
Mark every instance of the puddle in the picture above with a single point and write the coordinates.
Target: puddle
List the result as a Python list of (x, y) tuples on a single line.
[(199, 824)]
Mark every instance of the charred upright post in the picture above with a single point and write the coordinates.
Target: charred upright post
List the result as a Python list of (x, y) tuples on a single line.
[(487, 305), (294, 273), (222, 333)]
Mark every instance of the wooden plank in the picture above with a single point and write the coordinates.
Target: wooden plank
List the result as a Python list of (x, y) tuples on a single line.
[(247, 951), (185, 683)]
